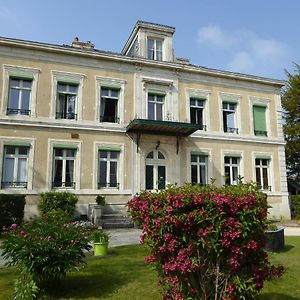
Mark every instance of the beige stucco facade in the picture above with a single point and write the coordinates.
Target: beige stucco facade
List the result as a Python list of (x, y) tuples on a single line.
[(135, 78)]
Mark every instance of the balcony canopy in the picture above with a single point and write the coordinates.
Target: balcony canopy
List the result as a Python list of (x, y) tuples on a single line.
[(144, 126)]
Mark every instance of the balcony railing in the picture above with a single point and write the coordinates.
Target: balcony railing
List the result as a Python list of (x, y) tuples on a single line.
[(260, 133), (67, 116), (60, 184), (265, 187), (231, 130), (14, 184), (16, 111), (109, 119), (103, 185)]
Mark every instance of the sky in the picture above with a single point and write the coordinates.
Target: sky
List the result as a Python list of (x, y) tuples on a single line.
[(257, 37)]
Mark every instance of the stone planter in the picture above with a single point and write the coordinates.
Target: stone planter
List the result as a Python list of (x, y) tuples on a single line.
[(275, 239)]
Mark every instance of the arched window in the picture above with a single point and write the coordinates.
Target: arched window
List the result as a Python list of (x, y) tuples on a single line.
[(155, 170)]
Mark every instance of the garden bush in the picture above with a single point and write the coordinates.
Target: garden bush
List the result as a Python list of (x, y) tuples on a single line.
[(58, 201), (206, 242), (11, 209), (44, 250), (295, 206)]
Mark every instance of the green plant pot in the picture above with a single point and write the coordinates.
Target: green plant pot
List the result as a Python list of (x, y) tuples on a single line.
[(100, 249)]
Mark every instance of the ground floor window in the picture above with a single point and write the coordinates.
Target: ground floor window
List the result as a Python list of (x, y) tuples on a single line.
[(231, 170), (108, 162), (15, 167), (262, 173), (155, 170), (198, 169), (64, 168)]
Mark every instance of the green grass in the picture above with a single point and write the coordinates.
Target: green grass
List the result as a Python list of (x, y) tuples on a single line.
[(123, 275)]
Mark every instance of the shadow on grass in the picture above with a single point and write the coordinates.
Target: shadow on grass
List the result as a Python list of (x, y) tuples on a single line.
[(275, 296), (287, 248)]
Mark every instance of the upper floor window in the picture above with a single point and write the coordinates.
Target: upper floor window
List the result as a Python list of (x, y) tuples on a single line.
[(19, 96), (155, 106), (198, 168), (231, 170), (196, 112), (229, 117), (15, 166), (109, 105), (154, 48), (66, 101), (108, 161), (63, 168), (262, 173), (259, 120)]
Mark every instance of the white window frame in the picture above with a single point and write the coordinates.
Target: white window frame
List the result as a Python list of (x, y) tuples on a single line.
[(107, 99), (258, 101), (108, 161), (7, 141), (115, 83), (52, 144), (269, 157), (59, 76), (230, 153), (199, 94), (199, 151), (121, 169), (200, 164), (13, 71), (156, 163), (156, 103), (155, 39), (234, 99), (67, 93)]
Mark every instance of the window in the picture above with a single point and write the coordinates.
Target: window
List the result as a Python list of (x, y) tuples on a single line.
[(108, 169), (155, 106), (259, 120), (15, 167), (262, 173), (64, 168), (109, 105), (19, 96), (196, 112), (154, 48), (198, 169), (229, 117), (66, 101), (155, 171), (231, 170)]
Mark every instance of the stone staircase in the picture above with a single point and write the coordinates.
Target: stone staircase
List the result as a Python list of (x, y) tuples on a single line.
[(114, 216)]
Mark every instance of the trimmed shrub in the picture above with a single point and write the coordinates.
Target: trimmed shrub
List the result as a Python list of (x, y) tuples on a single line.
[(206, 242), (63, 202), (44, 250), (295, 206), (11, 209)]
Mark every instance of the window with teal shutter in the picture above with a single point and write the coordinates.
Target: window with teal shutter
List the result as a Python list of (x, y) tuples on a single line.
[(259, 119)]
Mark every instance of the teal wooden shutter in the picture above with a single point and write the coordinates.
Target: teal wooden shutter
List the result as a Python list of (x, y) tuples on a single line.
[(259, 118)]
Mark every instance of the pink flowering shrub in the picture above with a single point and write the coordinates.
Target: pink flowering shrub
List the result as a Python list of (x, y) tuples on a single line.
[(206, 242)]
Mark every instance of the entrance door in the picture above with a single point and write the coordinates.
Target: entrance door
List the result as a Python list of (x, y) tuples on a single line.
[(155, 171)]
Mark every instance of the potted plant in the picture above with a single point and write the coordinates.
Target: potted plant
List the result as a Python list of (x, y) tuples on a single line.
[(97, 210), (275, 237), (101, 240)]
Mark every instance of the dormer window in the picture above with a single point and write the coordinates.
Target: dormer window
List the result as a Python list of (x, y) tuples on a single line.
[(154, 48)]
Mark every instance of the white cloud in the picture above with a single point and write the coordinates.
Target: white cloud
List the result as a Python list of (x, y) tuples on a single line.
[(214, 36), (246, 51)]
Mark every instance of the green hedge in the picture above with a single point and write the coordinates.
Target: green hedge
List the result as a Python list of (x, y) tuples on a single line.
[(295, 206), (53, 202), (11, 209)]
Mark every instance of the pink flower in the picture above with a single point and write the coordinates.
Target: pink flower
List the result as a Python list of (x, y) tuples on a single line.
[(14, 226), (169, 209)]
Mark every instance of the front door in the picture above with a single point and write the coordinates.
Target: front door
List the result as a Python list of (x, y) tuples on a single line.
[(155, 171)]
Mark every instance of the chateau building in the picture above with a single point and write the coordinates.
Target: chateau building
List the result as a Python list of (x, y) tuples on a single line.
[(73, 118)]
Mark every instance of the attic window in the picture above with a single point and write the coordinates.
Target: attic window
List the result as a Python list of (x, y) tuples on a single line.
[(154, 48)]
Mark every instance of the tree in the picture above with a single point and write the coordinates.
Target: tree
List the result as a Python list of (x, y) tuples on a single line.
[(291, 106)]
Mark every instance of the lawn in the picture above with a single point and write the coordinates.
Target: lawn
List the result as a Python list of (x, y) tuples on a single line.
[(123, 275)]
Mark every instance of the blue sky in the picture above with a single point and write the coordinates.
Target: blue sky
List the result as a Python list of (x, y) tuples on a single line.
[(259, 37)]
